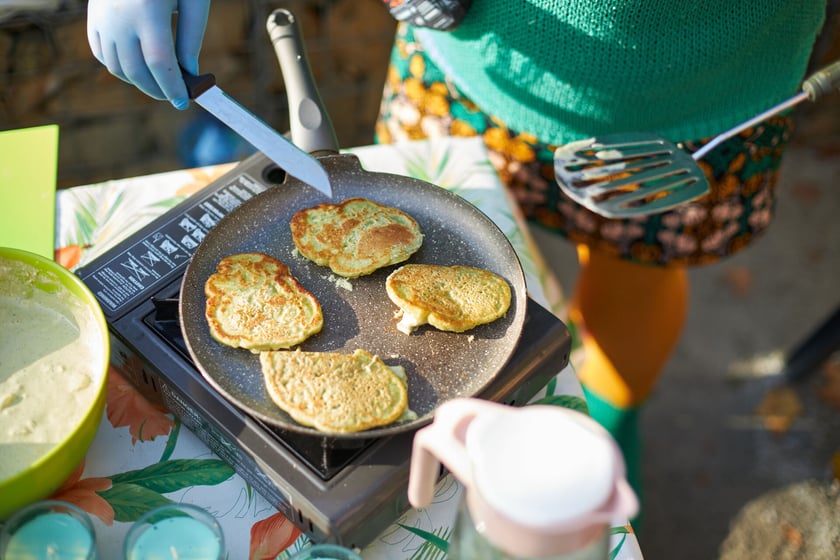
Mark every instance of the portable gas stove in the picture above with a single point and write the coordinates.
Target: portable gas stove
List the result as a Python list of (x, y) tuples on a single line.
[(342, 491)]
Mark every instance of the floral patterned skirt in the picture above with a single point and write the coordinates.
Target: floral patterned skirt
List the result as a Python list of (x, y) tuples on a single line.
[(419, 102)]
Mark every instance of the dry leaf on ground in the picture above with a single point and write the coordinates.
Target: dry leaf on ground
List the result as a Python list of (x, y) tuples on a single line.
[(806, 192), (829, 390), (793, 536), (779, 408), (739, 279)]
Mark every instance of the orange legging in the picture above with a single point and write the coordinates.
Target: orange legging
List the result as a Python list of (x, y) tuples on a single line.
[(630, 317)]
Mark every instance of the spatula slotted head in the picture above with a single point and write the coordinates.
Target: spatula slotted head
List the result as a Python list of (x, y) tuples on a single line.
[(627, 175)]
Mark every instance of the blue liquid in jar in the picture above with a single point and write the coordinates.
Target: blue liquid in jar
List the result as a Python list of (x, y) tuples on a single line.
[(52, 536), (176, 538)]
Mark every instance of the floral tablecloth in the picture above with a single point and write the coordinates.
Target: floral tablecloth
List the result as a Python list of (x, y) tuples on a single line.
[(143, 457)]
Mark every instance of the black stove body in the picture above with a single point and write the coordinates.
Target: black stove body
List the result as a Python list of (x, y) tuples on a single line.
[(335, 490)]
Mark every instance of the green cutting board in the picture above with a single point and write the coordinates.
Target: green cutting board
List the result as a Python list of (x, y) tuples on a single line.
[(28, 165)]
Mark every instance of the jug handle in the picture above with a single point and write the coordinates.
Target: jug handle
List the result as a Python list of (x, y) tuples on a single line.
[(443, 442)]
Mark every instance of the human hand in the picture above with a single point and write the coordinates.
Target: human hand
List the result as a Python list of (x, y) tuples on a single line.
[(133, 39)]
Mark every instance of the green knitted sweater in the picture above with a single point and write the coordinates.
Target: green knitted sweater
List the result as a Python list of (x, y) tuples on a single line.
[(570, 69)]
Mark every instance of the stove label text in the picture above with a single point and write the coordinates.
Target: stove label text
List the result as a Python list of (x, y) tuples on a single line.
[(165, 248)]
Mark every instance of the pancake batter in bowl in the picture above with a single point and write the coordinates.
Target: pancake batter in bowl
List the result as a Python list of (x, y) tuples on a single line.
[(49, 369)]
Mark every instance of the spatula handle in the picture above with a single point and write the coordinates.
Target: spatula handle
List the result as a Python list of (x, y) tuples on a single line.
[(814, 87), (823, 81), (775, 110)]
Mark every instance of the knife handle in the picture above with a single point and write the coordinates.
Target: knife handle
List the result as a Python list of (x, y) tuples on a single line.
[(196, 85)]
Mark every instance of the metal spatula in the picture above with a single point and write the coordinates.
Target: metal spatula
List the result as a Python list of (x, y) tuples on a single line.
[(637, 174)]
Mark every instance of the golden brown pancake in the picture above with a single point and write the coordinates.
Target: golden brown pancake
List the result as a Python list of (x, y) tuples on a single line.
[(254, 302), (450, 298), (334, 392), (355, 237)]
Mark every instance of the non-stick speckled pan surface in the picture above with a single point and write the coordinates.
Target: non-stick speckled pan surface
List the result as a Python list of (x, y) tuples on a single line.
[(440, 365)]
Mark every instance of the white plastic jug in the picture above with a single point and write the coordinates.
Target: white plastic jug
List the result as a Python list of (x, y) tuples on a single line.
[(540, 481)]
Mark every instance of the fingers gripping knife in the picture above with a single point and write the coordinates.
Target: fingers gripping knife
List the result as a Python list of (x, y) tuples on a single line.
[(637, 174)]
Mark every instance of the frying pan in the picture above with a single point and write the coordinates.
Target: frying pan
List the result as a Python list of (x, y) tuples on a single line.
[(357, 312)]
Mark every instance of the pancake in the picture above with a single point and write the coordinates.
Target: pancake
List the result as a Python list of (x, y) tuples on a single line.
[(254, 302), (333, 392), (450, 298), (355, 237)]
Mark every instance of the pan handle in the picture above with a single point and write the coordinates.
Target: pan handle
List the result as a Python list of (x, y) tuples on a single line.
[(310, 125)]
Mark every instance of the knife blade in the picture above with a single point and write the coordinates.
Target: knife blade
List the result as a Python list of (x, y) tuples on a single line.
[(294, 161)]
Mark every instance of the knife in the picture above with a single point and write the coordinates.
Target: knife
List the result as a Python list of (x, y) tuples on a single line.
[(294, 161)]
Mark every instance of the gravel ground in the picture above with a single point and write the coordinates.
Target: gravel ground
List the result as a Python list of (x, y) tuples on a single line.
[(798, 522)]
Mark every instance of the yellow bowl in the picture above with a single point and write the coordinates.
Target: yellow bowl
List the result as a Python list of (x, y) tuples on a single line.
[(40, 296)]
